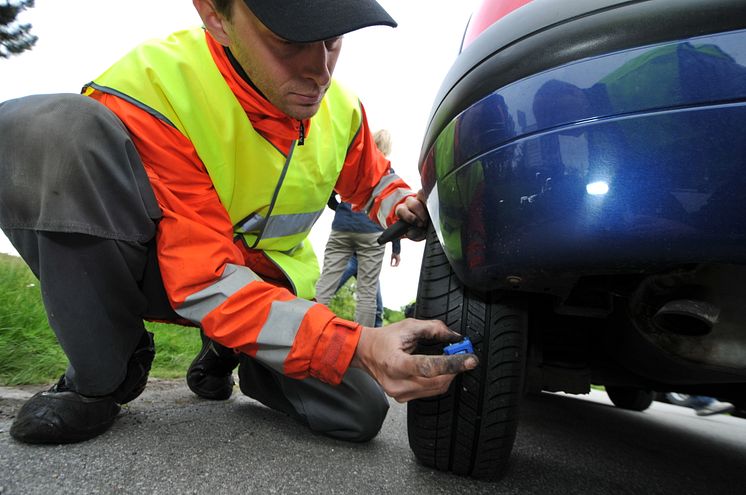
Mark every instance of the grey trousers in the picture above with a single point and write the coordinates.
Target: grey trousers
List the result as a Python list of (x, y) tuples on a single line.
[(77, 205), (339, 248)]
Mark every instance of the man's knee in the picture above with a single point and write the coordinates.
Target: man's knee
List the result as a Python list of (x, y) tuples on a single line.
[(370, 417), (353, 411), (362, 408), (37, 119), (69, 165), (48, 141)]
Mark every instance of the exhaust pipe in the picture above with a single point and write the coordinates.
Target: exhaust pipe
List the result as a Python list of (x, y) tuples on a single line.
[(687, 317)]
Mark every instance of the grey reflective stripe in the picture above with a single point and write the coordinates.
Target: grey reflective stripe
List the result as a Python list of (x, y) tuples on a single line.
[(152, 111), (276, 192), (199, 304), (286, 225), (382, 184), (388, 204), (279, 331), (253, 223)]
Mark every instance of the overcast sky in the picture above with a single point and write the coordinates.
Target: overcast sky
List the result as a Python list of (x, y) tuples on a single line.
[(396, 73)]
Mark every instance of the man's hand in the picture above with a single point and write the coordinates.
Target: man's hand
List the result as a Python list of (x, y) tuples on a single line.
[(414, 212), (385, 353), (395, 259)]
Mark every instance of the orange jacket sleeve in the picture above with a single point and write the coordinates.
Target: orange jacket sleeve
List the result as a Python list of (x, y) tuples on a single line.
[(366, 181)]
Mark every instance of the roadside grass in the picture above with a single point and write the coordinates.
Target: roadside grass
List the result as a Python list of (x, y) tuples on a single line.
[(29, 353)]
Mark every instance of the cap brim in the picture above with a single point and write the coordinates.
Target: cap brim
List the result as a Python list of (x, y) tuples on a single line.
[(304, 21)]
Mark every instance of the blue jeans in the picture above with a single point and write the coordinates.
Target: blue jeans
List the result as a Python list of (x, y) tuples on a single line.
[(351, 271)]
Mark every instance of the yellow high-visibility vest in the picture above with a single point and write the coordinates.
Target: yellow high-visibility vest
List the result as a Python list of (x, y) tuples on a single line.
[(273, 200)]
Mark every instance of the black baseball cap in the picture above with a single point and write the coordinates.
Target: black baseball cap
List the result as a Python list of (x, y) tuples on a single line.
[(304, 21)]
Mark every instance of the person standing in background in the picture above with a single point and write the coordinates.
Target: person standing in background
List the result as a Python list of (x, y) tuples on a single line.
[(355, 237), (351, 270)]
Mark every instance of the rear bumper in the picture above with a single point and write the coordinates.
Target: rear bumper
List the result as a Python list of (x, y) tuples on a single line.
[(628, 162)]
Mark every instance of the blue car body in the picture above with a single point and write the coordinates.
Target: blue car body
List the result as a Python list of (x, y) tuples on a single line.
[(626, 161)]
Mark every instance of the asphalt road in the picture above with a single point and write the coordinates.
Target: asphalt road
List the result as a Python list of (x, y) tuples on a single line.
[(170, 442)]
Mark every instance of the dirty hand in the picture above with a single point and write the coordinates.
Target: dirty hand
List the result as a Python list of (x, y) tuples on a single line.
[(385, 353), (413, 211)]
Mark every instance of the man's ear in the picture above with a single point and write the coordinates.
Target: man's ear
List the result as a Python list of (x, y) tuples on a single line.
[(212, 20)]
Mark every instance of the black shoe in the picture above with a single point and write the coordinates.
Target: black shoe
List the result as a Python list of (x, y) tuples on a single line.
[(211, 373), (60, 415)]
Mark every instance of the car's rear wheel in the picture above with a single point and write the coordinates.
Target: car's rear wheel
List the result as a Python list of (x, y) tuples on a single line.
[(469, 430), (634, 399)]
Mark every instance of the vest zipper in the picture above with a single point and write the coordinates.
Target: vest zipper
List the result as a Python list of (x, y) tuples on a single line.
[(302, 136)]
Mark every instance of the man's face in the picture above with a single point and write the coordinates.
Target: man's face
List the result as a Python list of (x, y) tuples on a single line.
[(293, 76)]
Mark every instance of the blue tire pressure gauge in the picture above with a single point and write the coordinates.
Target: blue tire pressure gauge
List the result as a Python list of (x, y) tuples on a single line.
[(463, 347)]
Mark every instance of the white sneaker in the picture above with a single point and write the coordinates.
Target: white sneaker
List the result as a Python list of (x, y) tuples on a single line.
[(715, 408)]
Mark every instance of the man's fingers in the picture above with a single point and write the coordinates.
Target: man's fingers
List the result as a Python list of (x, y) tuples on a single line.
[(407, 215), (405, 376), (435, 330), (426, 387), (432, 366), (413, 211), (435, 375), (418, 208), (416, 234)]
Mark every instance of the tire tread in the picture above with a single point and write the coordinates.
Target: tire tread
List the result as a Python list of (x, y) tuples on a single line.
[(470, 429)]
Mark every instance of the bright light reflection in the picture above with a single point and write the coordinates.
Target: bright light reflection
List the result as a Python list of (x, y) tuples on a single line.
[(598, 188)]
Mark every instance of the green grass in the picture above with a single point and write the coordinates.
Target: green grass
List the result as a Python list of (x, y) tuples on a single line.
[(175, 348), (29, 353)]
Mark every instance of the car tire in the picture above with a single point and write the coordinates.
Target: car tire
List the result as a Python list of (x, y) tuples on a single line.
[(470, 429), (633, 399)]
